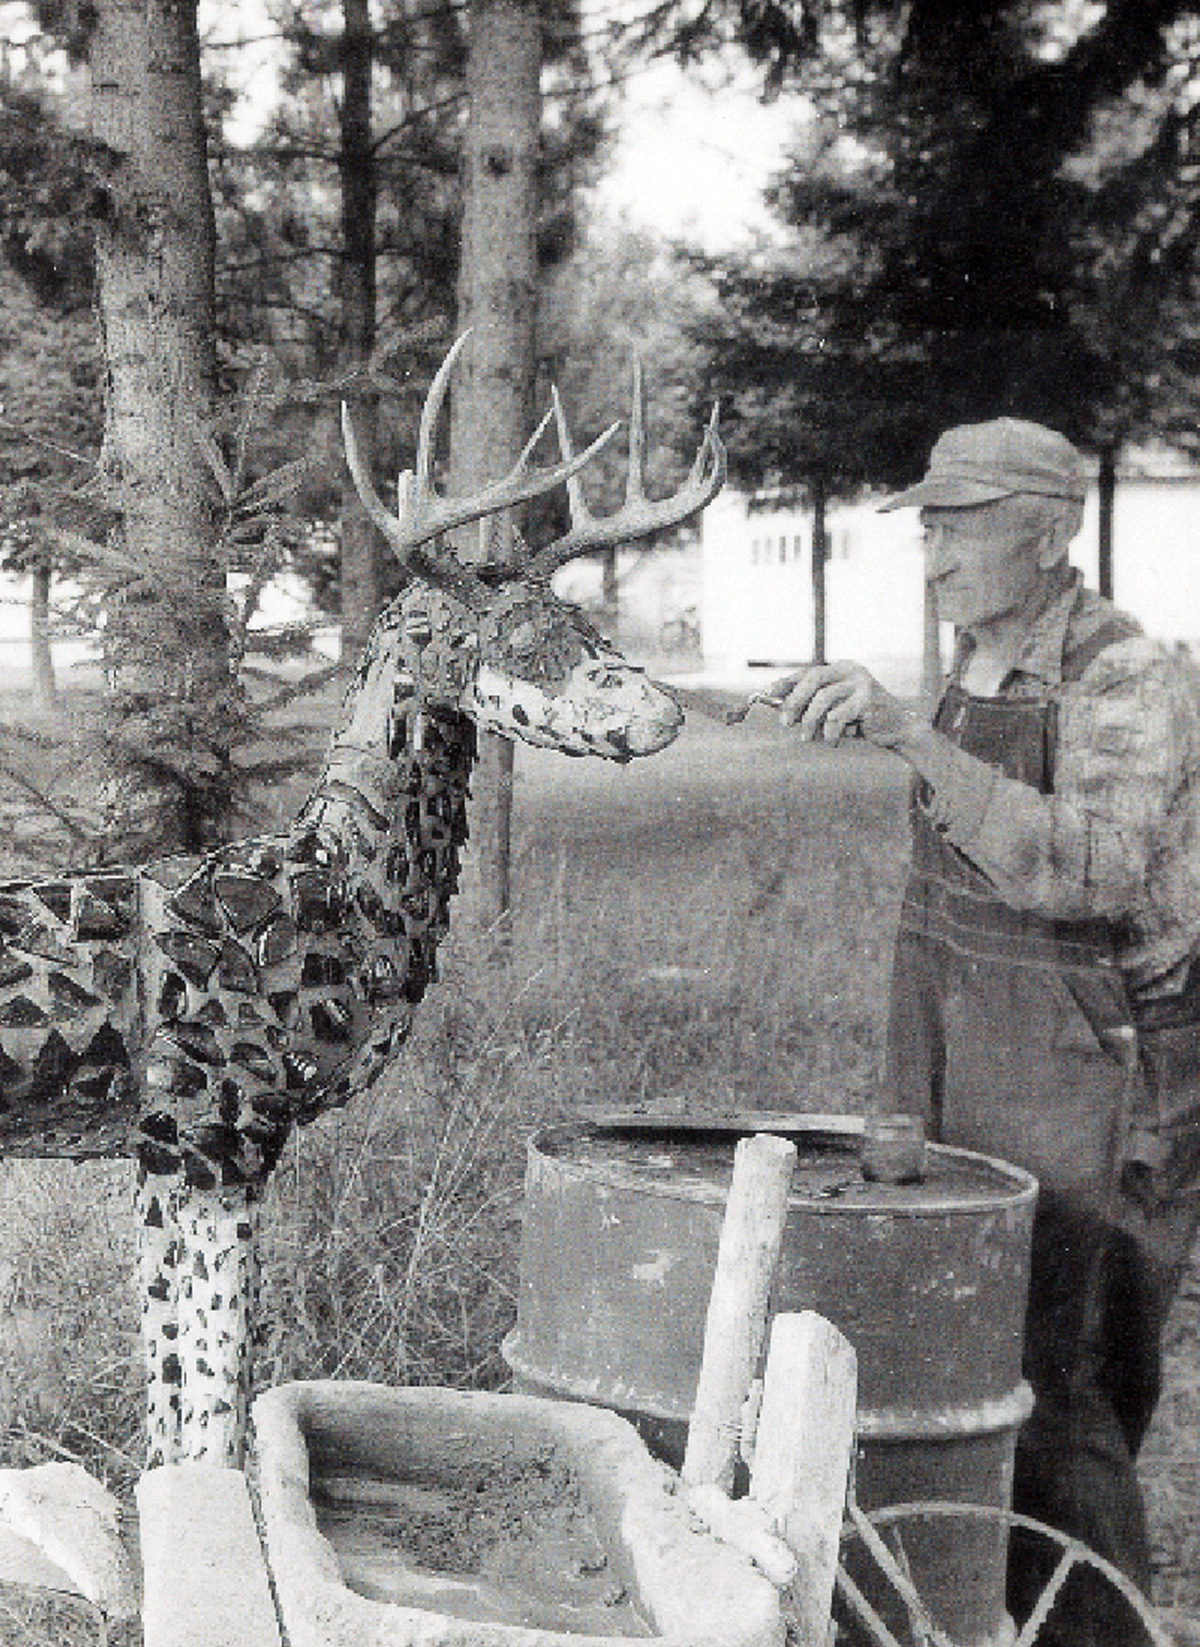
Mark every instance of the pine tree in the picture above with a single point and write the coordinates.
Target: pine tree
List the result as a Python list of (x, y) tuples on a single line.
[(994, 213)]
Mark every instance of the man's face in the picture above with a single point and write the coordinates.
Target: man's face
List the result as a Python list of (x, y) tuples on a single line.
[(983, 560)]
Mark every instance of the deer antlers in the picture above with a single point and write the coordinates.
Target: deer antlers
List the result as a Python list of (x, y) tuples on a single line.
[(424, 515), (637, 517)]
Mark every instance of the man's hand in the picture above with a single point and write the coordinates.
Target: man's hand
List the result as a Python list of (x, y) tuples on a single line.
[(827, 699)]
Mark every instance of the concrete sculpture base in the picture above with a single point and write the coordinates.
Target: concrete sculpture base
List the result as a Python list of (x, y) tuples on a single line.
[(338, 1449)]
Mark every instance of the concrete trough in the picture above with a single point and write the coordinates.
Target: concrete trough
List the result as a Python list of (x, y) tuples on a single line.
[(333, 1456)]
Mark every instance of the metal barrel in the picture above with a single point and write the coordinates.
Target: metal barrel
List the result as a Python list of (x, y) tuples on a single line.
[(927, 1280)]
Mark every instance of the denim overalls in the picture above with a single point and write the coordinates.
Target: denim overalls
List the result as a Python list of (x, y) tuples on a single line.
[(1010, 1033)]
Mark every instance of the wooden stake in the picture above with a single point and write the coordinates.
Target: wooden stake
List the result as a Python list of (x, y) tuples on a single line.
[(751, 1238), (803, 1454)]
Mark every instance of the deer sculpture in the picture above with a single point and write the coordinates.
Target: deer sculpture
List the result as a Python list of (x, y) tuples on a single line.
[(189, 1012)]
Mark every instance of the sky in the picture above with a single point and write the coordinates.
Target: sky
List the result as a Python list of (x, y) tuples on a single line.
[(692, 158), (693, 150)]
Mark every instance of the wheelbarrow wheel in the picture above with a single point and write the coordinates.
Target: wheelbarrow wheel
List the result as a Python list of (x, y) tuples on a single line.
[(881, 1532)]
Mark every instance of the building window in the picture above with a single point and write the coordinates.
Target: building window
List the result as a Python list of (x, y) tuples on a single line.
[(797, 547)]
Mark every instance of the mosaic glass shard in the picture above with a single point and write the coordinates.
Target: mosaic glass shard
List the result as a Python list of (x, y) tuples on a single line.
[(107, 1046), (199, 1042), (13, 969), (194, 902), (283, 1004), (56, 895), (255, 1060), (247, 901), (237, 970), (51, 1068), (331, 1020), (172, 997), (22, 1013), (321, 969), (68, 998), (299, 1070), (195, 957), (96, 919), (277, 942)]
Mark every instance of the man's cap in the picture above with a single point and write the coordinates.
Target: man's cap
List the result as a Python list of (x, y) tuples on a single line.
[(980, 462)]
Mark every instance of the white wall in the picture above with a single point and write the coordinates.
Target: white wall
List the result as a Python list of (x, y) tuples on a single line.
[(757, 609), (1156, 554)]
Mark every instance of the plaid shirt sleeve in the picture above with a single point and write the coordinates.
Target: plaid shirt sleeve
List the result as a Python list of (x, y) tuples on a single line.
[(1126, 749)]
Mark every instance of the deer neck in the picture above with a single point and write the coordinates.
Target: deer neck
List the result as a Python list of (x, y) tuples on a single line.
[(364, 805), (385, 824), (397, 716)]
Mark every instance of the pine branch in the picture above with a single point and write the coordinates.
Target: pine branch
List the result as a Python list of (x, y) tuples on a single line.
[(82, 836)]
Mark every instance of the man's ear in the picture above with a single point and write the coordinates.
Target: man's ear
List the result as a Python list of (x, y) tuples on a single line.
[(1060, 530), (1052, 550)]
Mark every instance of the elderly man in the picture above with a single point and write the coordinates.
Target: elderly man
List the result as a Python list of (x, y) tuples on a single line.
[(1046, 990)]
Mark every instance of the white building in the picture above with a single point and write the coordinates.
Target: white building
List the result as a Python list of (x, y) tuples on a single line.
[(756, 601), (284, 601)]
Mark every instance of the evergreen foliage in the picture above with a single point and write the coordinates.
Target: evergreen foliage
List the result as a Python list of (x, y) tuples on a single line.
[(278, 207), (992, 213)]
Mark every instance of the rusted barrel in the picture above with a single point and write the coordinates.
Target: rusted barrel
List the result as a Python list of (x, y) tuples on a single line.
[(928, 1280)]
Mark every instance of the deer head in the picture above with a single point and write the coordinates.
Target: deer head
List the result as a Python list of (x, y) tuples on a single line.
[(495, 642)]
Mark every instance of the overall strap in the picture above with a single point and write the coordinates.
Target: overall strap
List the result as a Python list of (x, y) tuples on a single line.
[(1079, 659), (948, 899), (1076, 663)]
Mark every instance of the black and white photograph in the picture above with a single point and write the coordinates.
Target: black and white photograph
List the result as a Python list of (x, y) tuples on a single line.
[(599, 823)]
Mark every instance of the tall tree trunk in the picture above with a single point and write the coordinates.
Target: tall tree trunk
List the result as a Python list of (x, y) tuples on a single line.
[(45, 691), (820, 556), (1107, 502), (360, 571), (167, 640), (497, 295)]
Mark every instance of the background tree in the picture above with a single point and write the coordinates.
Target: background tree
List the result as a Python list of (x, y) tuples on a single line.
[(497, 301), (976, 228), (49, 432), (624, 291), (342, 223), (49, 363), (369, 256), (356, 282), (173, 698)]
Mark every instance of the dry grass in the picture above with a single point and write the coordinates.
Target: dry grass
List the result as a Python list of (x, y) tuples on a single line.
[(710, 929)]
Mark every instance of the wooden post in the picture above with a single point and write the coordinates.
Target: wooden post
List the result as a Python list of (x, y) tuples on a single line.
[(802, 1457), (1107, 501), (931, 652), (735, 1329), (820, 557)]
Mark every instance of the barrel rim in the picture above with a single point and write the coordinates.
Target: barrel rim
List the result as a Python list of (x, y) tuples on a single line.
[(1023, 1186), (955, 1421)]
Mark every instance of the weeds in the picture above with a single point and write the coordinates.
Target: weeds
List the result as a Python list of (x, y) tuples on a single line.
[(710, 929)]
